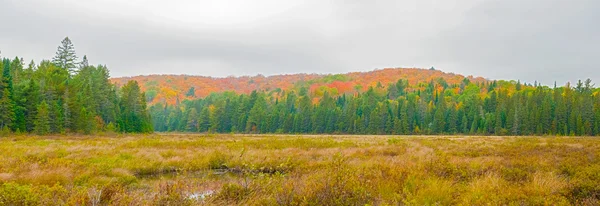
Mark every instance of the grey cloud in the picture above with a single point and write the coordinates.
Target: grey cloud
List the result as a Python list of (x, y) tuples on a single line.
[(544, 40), (133, 47)]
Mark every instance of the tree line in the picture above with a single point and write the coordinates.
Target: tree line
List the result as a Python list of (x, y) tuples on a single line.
[(435, 107), (66, 95)]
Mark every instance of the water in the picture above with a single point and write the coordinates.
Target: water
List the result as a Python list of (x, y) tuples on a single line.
[(201, 196)]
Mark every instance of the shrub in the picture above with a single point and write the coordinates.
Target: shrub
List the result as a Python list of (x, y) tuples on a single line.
[(171, 193), (15, 194), (514, 174), (233, 192), (217, 160)]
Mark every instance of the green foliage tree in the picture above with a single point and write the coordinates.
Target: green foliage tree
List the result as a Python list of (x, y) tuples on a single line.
[(435, 108), (86, 121), (65, 56), (7, 106), (191, 92), (134, 117), (192, 124), (84, 101), (42, 120), (431, 107), (7, 113)]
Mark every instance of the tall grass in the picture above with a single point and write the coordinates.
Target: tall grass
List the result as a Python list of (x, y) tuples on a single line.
[(187, 169)]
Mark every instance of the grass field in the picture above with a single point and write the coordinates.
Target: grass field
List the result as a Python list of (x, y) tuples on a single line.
[(190, 169)]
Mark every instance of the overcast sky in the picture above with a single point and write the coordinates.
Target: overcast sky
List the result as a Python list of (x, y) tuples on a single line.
[(544, 40)]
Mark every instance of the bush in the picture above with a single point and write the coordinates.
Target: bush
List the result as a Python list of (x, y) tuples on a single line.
[(172, 193), (514, 174), (233, 192), (15, 194), (217, 161)]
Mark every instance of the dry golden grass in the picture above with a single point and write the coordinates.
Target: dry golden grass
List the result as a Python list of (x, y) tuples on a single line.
[(191, 169)]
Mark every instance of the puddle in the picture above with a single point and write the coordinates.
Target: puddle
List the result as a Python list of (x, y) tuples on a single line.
[(171, 174), (220, 171), (209, 173), (201, 196)]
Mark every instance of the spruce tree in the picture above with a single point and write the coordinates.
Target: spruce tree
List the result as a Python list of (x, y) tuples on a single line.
[(79, 102), (65, 56), (7, 105), (7, 110), (134, 117), (451, 121), (42, 120), (192, 124), (84, 62), (257, 117), (204, 120), (16, 70), (86, 121)]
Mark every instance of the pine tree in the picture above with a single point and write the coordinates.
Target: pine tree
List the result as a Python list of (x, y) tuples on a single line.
[(7, 106), (304, 117), (80, 102), (86, 121), (516, 127), (42, 120), (439, 119), (16, 70), (475, 125), (65, 56), (257, 117), (6, 80), (498, 126), (84, 62), (192, 124), (7, 113), (146, 118), (134, 117), (204, 120), (191, 92), (376, 122), (452, 121), (397, 127)]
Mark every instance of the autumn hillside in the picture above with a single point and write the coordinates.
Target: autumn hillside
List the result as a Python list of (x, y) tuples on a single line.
[(169, 88)]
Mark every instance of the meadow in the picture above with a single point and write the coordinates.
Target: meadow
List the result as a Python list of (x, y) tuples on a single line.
[(196, 169)]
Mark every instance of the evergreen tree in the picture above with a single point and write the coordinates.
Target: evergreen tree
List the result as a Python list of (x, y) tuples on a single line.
[(192, 124), (497, 110), (191, 92), (7, 113), (86, 121), (7, 106), (134, 117), (439, 119), (65, 56), (16, 70), (257, 116), (84, 62), (452, 121), (204, 120), (83, 102), (42, 120)]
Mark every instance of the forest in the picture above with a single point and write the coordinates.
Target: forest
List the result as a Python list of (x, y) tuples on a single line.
[(65, 95), (172, 88), (400, 108)]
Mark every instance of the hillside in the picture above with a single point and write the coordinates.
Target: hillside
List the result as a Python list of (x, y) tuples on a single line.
[(169, 88)]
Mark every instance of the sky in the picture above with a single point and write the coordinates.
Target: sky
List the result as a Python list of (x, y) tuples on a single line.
[(527, 40)]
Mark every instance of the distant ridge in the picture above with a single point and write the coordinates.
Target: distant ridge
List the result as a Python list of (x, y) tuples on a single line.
[(170, 88)]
